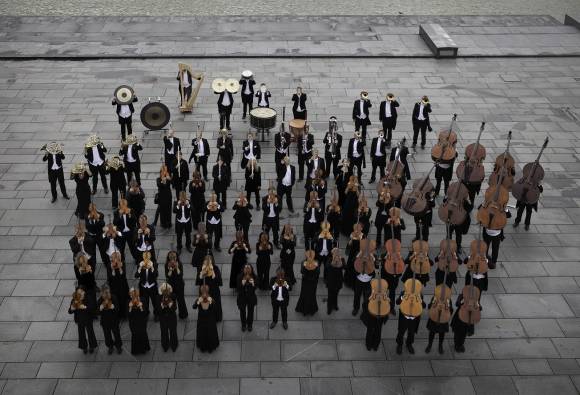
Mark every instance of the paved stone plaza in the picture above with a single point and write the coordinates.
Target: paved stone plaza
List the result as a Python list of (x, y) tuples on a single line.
[(528, 341)]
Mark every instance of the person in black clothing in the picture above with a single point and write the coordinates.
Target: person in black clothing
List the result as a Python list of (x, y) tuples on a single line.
[(207, 338), (163, 198), (374, 331), (305, 144), (95, 156), (250, 150), (84, 320), (423, 221), (420, 120), (288, 254), (280, 298), (124, 113), (384, 203), (180, 173), (460, 329), (521, 206), (172, 147), (356, 154), (333, 216), (225, 148), (239, 250), (443, 172), (436, 327), (213, 221), (182, 210), (253, 175), (408, 273), (144, 239), (126, 222), (493, 238), (315, 166), (247, 91), (242, 215), (225, 104), (168, 318), (286, 180), (332, 144), (407, 324), (313, 216), (388, 116), (118, 286), (310, 271), (221, 180), (282, 141), (117, 181), (138, 324), (94, 223), (334, 279), (299, 106), (200, 154), (463, 228), (83, 192), (246, 300), (55, 172), (147, 274), (174, 277), (360, 113), (401, 152), (81, 243), (135, 198), (324, 245), (86, 280), (271, 214), (211, 276), (202, 247), (263, 96), (130, 152), (264, 250), (197, 198), (378, 155), (184, 86), (109, 310)]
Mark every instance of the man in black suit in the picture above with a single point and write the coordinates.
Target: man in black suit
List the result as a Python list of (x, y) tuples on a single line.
[(401, 151), (314, 164), (125, 115), (117, 180), (247, 91), (250, 150), (225, 147), (55, 173), (388, 116), (280, 298), (299, 106), (130, 153), (421, 121), (286, 180), (282, 142), (356, 154), (172, 146), (378, 155), (225, 104), (263, 96), (180, 174), (360, 113), (305, 145), (332, 157), (96, 158), (182, 210), (221, 180), (271, 215), (200, 154)]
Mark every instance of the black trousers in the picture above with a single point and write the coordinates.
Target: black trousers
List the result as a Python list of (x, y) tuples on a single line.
[(302, 162), (99, 170), (299, 114), (117, 190), (422, 228), (272, 223), (256, 194), (244, 227), (186, 93), (332, 299), (133, 169), (493, 242), (444, 175), (361, 289), (393, 282), (358, 162), (221, 197), (201, 162), (112, 335), (214, 233), (248, 103), (361, 124), (169, 333), (86, 331), (432, 337), (419, 126), (521, 208), (180, 229), (225, 113), (126, 128), (310, 230), (459, 335), (277, 306), (179, 292), (263, 269), (53, 177), (379, 162), (328, 161), (407, 326), (247, 314), (284, 190), (388, 130), (148, 294)]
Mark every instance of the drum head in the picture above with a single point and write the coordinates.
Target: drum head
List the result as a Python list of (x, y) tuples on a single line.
[(263, 112), (124, 94), (246, 74), (218, 85), (155, 116), (297, 123)]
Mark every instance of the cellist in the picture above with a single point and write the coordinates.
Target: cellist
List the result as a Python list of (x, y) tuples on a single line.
[(424, 220), (364, 274), (521, 206), (408, 323), (440, 300)]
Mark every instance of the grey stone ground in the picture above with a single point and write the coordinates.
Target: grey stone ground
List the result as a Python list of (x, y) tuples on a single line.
[(528, 341)]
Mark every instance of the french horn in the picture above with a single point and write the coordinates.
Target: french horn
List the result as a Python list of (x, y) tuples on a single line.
[(114, 163), (93, 141), (52, 148)]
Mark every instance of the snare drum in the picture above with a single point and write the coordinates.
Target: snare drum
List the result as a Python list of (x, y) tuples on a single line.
[(297, 128), (263, 118)]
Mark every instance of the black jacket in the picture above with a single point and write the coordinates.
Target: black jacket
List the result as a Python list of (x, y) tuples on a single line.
[(195, 150), (246, 292), (88, 244), (274, 293), (118, 109), (282, 173), (278, 143), (243, 83), (299, 99), (177, 209), (100, 148), (359, 148), (225, 176), (119, 222), (356, 110), (403, 158), (426, 111), (168, 145), (227, 153), (147, 275), (310, 165), (135, 148), (219, 102), (394, 104), (328, 144), (253, 182), (266, 95), (48, 157), (309, 145), (382, 148), (256, 148)]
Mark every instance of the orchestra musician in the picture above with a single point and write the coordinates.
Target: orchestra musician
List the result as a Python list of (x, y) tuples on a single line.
[(225, 104), (221, 180), (318, 185), (200, 154), (420, 120), (174, 277), (180, 173), (250, 150), (280, 297), (263, 96), (213, 221), (197, 198), (225, 147), (253, 175), (378, 155), (185, 83), (130, 153), (388, 116), (299, 106), (172, 146), (332, 144), (521, 206), (286, 180), (315, 163), (164, 199), (360, 114), (147, 274), (356, 154), (305, 145), (182, 210), (247, 91), (282, 141), (239, 251), (125, 115), (246, 299), (84, 320), (313, 217), (242, 215), (95, 155), (117, 180), (168, 318), (55, 172), (271, 214), (108, 307)]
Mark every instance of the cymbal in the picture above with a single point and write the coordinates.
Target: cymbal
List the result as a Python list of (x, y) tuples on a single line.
[(232, 85), (218, 85)]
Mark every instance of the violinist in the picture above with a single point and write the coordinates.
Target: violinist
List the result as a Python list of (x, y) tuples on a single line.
[(350, 205), (342, 179), (213, 221), (147, 274), (250, 150), (378, 155), (356, 154), (401, 152), (126, 222), (521, 206), (221, 179), (362, 287), (180, 173), (324, 246), (246, 299), (318, 185), (168, 318), (443, 172), (253, 176), (164, 199), (197, 198), (171, 145), (182, 210), (305, 144), (282, 141), (207, 338), (310, 270), (112, 241), (242, 215), (280, 297), (360, 114), (440, 310), (200, 154), (271, 214), (315, 166), (225, 148), (174, 277), (211, 276), (334, 279), (136, 198), (333, 215), (108, 310), (84, 319), (288, 254), (286, 180), (352, 250), (118, 286), (364, 214), (264, 250), (202, 247), (138, 324), (313, 216), (144, 239), (299, 107), (388, 116), (239, 251), (94, 224), (420, 121), (86, 279), (81, 243), (332, 144)]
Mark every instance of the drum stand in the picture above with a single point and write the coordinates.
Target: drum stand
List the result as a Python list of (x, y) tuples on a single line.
[(263, 140)]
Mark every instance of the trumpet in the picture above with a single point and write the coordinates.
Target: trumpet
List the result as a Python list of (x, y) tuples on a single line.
[(52, 148)]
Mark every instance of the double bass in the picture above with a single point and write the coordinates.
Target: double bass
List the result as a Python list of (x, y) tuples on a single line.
[(393, 176), (527, 188), (415, 202), (394, 263), (365, 260), (444, 151), (452, 209), (477, 261), (492, 213), (504, 164), (470, 170)]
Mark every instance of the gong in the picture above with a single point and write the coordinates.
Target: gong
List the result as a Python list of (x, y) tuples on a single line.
[(155, 116)]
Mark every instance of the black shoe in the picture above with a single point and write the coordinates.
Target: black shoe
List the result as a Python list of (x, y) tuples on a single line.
[(110, 350), (527, 227), (156, 318), (165, 349), (119, 350), (67, 198), (244, 116), (243, 327), (249, 328), (399, 349), (491, 265), (285, 325), (53, 199), (428, 349), (422, 146), (272, 325), (459, 250), (516, 224), (371, 180), (410, 349), (188, 248), (94, 192), (85, 350), (440, 348), (106, 191), (91, 350), (328, 311), (250, 206), (460, 349), (291, 210), (369, 348), (218, 249), (354, 312)]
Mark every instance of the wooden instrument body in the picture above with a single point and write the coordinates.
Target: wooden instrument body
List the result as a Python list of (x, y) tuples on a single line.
[(507, 178), (470, 172), (492, 216), (469, 311), (419, 262), (411, 302), (444, 151), (415, 202), (394, 263), (526, 189), (396, 169), (379, 304), (365, 261), (440, 310), (390, 185), (476, 152), (452, 209), (448, 256)]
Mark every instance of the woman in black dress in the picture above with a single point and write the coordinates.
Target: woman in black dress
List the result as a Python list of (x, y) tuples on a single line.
[(201, 247), (83, 191), (197, 198), (364, 215), (253, 176), (174, 276), (86, 280), (138, 324), (341, 180), (108, 310), (239, 251), (374, 326), (307, 303), (263, 251), (288, 254), (352, 249), (84, 321), (207, 334), (242, 215), (438, 327), (168, 318), (117, 280), (333, 216), (334, 279), (350, 207), (211, 276), (135, 198), (164, 199), (247, 300)]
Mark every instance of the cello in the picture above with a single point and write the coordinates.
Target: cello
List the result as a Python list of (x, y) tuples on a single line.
[(452, 209), (469, 311), (444, 151), (470, 170), (415, 202), (477, 261), (492, 214), (447, 254), (411, 301), (365, 260), (394, 263), (392, 178), (379, 303), (527, 188), (504, 163), (419, 261), (440, 310)]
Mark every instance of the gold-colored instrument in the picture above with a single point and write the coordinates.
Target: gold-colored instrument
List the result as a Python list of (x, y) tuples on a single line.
[(79, 168), (93, 141), (114, 163), (364, 95), (218, 85), (52, 148), (198, 77), (232, 85)]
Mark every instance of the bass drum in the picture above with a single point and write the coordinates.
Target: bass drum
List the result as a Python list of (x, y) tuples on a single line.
[(155, 116), (263, 118)]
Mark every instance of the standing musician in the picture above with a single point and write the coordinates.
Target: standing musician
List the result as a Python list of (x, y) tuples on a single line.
[(253, 175), (182, 210), (356, 153), (135, 198), (130, 152), (313, 217), (299, 107), (225, 147), (384, 204), (184, 78), (378, 155), (360, 113), (286, 180), (213, 221), (420, 121), (282, 142), (401, 151), (200, 154), (225, 104), (247, 91), (94, 223), (180, 173), (95, 155), (196, 198), (333, 216), (168, 317), (112, 242), (388, 116), (54, 156), (363, 214), (318, 185), (271, 215), (362, 288), (332, 144), (117, 181), (172, 146), (341, 180), (521, 206), (147, 274), (263, 96), (334, 279), (246, 300), (280, 297), (83, 244), (242, 215), (305, 145), (324, 246), (125, 113), (108, 307), (443, 172), (144, 239), (221, 180), (250, 150), (407, 324), (126, 222), (313, 166), (493, 238), (424, 221)]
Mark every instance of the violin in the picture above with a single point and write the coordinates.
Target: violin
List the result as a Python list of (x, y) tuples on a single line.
[(213, 205), (310, 263), (106, 303), (379, 303), (385, 196), (452, 209), (444, 151), (415, 202), (313, 202), (352, 185), (365, 260), (419, 262), (412, 302), (116, 262), (242, 200), (470, 170), (477, 261), (124, 207), (93, 213), (469, 311), (78, 298), (334, 206), (337, 260), (440, 310), (527, 188), (272, 198), (447, 261), (504, 164), (492, 214), (135, 301), (394, 263)]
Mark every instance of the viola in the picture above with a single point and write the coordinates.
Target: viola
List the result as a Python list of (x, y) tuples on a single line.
[(415, 202), (504, 164), (470, 170), (452, 209), (440, 310), (444, 151), (527, 188), (477, 261), (365, 260)]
